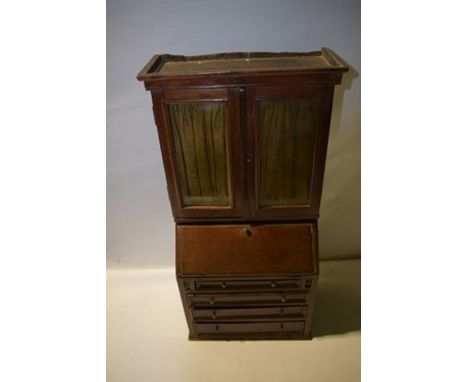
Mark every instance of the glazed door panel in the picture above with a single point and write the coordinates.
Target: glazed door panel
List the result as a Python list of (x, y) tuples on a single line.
[(202, 131), (288, 140)]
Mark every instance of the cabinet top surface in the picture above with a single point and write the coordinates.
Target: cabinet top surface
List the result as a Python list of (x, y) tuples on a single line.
[(167, 65)]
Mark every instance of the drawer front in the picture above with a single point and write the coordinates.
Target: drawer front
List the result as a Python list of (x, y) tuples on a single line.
[(251, 327), (297, 312), (237, 285), (289, 298)]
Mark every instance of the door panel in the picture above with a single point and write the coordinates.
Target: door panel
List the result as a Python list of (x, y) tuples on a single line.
[(203, 134), (289, 135), (201, 153), (286, 132)]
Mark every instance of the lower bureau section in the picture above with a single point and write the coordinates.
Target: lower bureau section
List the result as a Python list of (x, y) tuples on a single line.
[(247, 282)]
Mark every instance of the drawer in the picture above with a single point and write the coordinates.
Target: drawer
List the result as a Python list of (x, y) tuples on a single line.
[(251, 327), (287, 312), (215, 299), (236, 285)]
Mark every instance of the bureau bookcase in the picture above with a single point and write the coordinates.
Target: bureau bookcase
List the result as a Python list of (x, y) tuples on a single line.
[(243, 138)]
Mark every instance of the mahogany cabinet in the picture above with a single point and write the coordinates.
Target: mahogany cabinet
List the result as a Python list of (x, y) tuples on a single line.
[(244, 138)]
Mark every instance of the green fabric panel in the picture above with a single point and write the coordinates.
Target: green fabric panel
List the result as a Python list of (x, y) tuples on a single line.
[(286, 152), (199, 135)]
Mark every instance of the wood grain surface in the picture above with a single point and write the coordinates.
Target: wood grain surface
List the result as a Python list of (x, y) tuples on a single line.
[(244, 249)]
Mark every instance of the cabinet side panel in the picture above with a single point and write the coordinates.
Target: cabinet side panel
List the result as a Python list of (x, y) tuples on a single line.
[(311, 307), (158, 113), (321, 153), (187, 311)]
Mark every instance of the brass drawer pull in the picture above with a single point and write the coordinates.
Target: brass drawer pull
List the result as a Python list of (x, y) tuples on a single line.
[(283, 299), (223, 285), (212, 301), (273, 284), (213, 316)]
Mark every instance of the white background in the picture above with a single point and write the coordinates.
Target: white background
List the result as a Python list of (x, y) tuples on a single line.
[(52, 221), (140, 229)]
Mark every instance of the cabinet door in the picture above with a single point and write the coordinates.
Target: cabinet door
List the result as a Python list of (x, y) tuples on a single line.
[(200, 140), (288, 139)]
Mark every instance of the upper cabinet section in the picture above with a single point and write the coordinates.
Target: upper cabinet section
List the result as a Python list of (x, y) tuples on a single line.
[(244, 135)]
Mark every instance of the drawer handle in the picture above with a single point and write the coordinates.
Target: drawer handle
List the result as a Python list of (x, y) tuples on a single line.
[(273, 284), (223, 285), (211, 301), (213, 316), (283, 299), (282, 326), (247, 232), (217, 328)]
